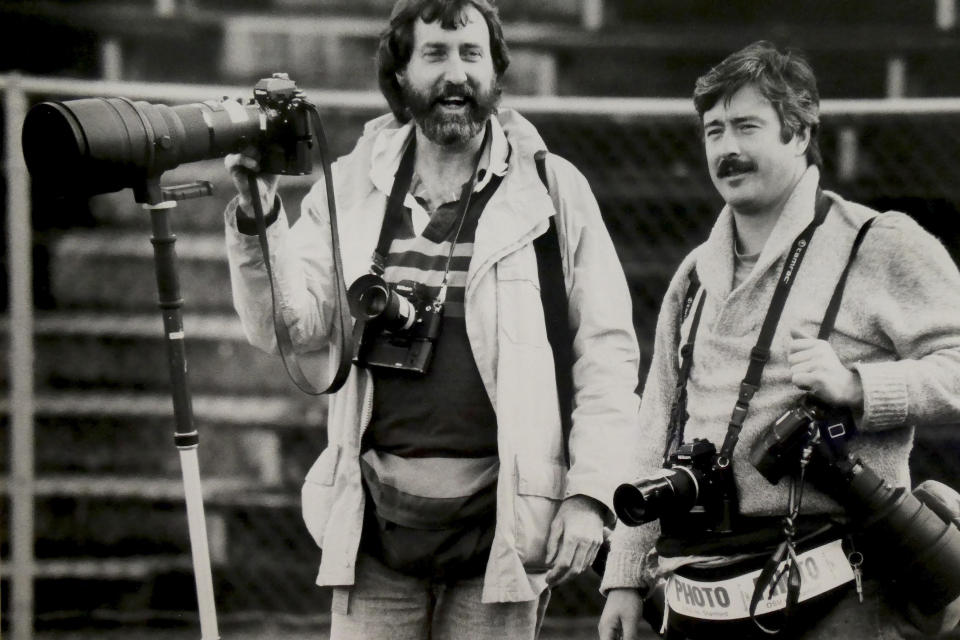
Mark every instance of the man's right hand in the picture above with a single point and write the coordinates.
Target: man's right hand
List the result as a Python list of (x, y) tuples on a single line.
[(240, 166), (621, 619)]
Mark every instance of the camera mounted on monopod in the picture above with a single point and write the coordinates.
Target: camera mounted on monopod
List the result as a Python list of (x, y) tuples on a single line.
[(99, 145)]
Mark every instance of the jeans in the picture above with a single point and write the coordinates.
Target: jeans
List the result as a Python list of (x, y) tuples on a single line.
[(384, 604)]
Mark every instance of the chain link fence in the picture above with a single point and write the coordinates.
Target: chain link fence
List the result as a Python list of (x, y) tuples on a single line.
[(110, 530)]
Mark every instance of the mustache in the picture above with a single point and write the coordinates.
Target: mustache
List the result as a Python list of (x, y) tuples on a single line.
[(732, 165)]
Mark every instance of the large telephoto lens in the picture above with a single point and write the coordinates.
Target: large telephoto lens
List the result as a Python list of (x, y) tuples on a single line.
[(909, 541), (645, 500), (98, 145)]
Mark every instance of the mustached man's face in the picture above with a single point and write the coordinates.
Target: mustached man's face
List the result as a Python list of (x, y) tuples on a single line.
[(751, 167), (449, 86)]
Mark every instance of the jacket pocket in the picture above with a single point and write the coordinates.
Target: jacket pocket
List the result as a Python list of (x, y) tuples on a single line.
[(317, 493), (540, 488), (521, 307)]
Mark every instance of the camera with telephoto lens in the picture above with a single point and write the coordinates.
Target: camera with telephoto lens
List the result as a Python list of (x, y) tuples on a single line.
[(400, 323), (692, 493), (904, 540), (98, 145)]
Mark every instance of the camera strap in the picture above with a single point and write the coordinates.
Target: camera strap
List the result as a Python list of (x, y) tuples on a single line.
[(678, 412), (393, 216), (833, 308), (284, 341), (760, 354)]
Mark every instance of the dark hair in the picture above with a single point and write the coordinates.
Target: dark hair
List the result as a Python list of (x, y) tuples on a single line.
[(396, 41), (785, 79)]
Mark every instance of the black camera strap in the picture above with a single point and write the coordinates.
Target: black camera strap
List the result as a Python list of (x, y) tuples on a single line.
[(760, 354), (678, 412), (785, 555), (282, 333), (394, 215), (833, 308)]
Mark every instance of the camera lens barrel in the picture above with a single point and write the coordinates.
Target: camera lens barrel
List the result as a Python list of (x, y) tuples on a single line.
[(645, 500), (373, 300), (910, 542), (99, 145)]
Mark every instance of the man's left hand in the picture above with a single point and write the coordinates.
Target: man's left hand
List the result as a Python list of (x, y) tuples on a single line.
[(815, 368), (575, 537)]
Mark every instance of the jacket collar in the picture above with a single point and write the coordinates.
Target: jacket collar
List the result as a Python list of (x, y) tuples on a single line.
[(391, 141), (715, 256), (518, 210)]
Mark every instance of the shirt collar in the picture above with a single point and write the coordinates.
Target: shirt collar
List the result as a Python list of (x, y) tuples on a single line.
[(389, 145), (714, 263)]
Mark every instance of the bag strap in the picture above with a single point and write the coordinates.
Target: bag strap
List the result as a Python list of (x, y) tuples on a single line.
[(553, 297)]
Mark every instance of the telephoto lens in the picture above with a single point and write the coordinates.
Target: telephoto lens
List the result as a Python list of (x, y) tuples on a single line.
[(99, 145), (910, 543)]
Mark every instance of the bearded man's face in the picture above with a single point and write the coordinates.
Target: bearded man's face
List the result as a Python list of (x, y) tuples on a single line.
[(449, 86)]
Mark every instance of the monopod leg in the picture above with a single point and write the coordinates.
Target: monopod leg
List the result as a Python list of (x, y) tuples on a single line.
[(186, 437)]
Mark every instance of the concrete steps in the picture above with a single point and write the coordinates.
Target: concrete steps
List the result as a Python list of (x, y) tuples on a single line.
[(106, 350)]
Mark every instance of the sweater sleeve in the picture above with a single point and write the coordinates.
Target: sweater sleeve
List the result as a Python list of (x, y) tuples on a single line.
[(913, 301), (629, 545)]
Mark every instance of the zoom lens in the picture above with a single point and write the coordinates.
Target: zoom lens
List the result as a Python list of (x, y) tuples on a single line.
[(642, 501)]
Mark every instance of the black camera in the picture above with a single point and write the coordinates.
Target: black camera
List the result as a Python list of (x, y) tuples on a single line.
[(98, 145), (777, 451), (400, 323), (692, 493), (910, 543)]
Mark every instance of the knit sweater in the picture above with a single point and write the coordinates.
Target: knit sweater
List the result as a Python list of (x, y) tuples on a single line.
[(898, 327)]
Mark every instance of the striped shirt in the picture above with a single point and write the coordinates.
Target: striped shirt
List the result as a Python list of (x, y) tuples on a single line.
[(430, 452)]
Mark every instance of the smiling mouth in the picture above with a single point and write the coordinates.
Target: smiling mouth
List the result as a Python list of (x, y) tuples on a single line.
[(453, 102)]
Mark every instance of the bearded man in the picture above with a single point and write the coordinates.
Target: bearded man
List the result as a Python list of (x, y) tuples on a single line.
[(450, 499)]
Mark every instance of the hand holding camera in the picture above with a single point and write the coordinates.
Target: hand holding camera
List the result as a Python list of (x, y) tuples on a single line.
[(240, 166)]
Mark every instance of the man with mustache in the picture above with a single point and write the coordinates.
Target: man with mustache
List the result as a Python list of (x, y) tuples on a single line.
[(449, 501), (892, 359)]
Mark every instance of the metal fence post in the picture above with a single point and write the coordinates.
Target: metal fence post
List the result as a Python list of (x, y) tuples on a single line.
[(20, 293)]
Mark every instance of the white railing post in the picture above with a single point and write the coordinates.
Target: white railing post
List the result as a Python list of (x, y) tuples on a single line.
[(20, 372)]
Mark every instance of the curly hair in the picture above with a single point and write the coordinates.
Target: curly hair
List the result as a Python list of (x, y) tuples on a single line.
[(786, 79), (396, 41)]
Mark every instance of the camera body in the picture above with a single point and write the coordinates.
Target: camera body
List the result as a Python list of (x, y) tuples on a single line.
[(287, 139), (913, 546), (400, 323), (777, 452), (691, 494)]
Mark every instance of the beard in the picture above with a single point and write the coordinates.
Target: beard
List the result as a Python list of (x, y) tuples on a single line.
[(445, 128)]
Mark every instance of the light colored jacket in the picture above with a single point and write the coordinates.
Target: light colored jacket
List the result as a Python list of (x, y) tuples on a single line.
[(898, 327), (505, 327)]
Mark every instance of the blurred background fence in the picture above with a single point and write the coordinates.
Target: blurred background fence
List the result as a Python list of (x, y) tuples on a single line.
[(91, 474)]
